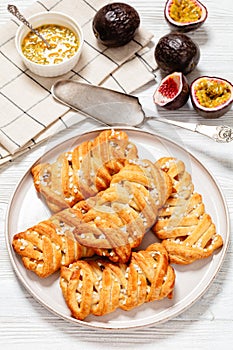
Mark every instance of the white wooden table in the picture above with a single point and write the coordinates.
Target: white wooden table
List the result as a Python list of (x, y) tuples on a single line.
[(24, 323)]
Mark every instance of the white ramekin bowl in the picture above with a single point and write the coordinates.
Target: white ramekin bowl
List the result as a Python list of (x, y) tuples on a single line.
[(50, 70)]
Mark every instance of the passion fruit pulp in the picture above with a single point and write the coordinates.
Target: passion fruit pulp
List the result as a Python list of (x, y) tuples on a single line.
[(211, 97), (176, 52), (185, 15), (115, 24), (172, 92)]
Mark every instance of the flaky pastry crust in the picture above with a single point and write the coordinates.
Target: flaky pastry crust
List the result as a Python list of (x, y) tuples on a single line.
[(116, 220), (111, 224), (186, 230), (83, 172), (47, 246), (99, 287)]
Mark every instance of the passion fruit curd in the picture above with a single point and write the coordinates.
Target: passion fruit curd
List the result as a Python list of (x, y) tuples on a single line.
[(64, 43)]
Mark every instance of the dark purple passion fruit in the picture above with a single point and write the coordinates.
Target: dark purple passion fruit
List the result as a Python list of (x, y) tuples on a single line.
[(172, 92), (176, 52), (185, 15), (115, 24), (211, 96)]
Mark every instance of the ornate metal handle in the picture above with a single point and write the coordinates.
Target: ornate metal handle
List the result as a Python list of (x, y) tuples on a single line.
[(14, 11), (219, 133), (224, 134)]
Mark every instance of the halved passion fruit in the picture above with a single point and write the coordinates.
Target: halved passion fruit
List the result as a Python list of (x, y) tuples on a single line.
[(173, 91), (211, 96), (185, 15)]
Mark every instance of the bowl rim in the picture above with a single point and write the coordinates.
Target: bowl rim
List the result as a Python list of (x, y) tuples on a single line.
[(78, 31)]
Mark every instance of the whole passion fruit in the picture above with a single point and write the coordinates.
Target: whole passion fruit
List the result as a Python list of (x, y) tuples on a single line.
[(185, 15), (211, 96), (172, 92), (176, 52), (115, 24)]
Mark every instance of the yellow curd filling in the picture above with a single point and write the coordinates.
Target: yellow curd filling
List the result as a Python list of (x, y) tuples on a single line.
[(184, 11), (212, 93), (63, 45)]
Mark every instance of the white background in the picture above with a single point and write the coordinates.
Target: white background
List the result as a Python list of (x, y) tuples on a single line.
[(24, 323)]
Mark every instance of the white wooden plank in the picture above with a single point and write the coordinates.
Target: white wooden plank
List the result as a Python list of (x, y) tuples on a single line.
[(24, 323)]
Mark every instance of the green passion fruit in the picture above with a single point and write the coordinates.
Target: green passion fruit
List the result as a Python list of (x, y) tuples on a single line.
[(185, 15), (211, 96), (176, 52), (115, 24), (172, 92)]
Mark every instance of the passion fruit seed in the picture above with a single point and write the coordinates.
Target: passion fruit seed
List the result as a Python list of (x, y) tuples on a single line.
[(211, 96), (185, 15), (115, 24), (176, 52), (63, 45), (172, 92), (169, 88), (212, 93), (185, 11)]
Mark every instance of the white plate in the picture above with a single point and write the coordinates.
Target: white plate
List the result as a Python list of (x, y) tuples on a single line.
[(26, 209)]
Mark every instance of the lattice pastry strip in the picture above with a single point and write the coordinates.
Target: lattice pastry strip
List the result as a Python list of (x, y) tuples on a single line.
[(47, 246), (100, 287), (187, 231), (116, 220), (83, 172)]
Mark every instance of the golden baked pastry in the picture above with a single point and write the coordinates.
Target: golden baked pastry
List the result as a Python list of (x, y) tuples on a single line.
[(47, 246), (115, 221), (99, 287), (110, 224), (186, 230), (83, 172)]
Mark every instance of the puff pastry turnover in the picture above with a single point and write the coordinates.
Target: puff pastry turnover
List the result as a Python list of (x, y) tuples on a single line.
[(186, 230), (83, 172), (47, 246), (115, 221), (99, 287)]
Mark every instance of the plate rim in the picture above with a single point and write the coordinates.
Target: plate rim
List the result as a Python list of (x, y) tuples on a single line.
[(83, 323)]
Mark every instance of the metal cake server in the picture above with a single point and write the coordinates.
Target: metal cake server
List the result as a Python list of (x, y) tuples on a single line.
[(114, 108)]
